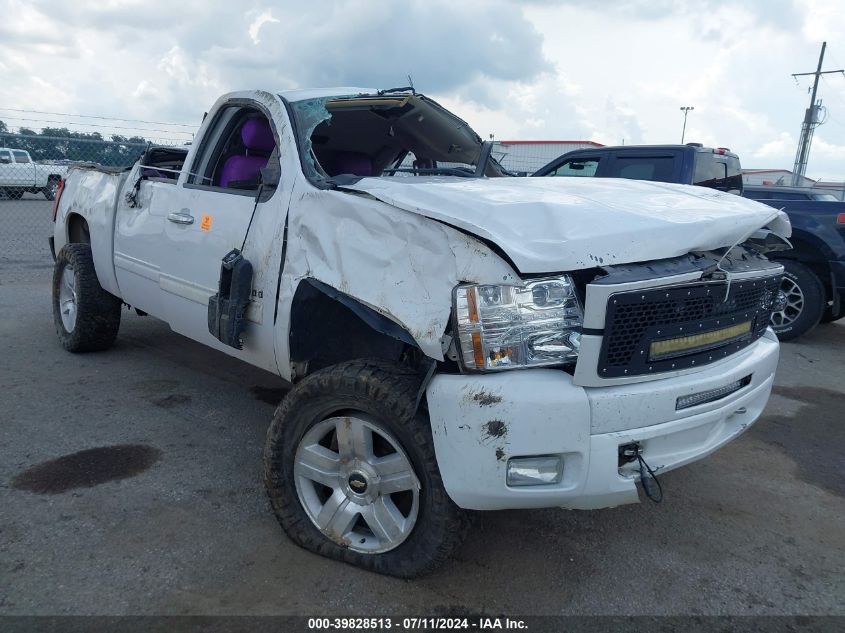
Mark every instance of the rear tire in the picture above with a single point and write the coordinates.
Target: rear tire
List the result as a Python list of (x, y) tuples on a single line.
[(14, 194), (87, 317), (51, 189), (805, 301), (315, 473)]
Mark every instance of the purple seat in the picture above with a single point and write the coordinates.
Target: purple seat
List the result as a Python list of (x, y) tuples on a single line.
[(258, 140), (353, 163)]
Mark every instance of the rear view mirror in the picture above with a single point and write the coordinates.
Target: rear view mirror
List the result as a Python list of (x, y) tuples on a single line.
[(575, 166)]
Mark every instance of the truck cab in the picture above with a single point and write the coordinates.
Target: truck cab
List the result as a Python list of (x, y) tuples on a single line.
[(691, 164)]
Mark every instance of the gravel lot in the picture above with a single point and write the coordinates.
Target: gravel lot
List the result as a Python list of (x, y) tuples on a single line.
[(755, 529)]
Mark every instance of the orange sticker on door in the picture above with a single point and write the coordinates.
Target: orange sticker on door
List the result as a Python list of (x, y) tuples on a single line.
[(206, 221)]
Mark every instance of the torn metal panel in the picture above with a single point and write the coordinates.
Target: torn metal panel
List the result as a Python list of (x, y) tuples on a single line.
[(737, 260), (566, 224), (400, 264)]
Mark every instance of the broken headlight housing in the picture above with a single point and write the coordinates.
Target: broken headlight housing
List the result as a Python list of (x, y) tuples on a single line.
[(506, 327)]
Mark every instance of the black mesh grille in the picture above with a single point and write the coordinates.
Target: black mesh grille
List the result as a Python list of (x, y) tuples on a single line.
[(635, 319)]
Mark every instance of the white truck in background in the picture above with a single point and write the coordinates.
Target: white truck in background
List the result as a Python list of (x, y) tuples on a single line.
[(456, 339), (19, 174)]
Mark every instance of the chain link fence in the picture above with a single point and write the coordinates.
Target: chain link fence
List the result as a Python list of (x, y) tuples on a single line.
[(31, 166)]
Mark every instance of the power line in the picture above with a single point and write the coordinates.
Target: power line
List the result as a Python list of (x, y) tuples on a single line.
[(107, 127), (91, 116), (836, 93)]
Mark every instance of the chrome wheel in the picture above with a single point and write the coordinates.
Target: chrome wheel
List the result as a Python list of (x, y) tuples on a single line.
[(67, 299), (356, 484), (790, 303)]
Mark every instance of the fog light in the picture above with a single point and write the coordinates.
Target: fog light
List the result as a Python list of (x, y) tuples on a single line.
[(535, 471)]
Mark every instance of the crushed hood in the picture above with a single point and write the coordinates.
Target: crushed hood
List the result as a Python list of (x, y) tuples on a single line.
[(563, 224)]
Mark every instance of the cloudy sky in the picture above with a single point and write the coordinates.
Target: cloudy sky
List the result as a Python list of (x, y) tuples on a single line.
[(540, 69)]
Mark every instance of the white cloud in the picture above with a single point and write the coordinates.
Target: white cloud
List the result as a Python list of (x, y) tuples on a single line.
[(265, 17), (547, 70), (777, 148), (828, 150)]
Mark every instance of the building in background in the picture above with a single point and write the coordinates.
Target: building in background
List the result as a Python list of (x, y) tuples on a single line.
[(783, 178), (526, 157)]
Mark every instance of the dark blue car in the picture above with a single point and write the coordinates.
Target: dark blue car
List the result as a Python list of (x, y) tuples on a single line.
[(814, 280)]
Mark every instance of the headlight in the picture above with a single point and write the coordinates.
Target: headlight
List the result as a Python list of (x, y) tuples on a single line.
[(504, 327)]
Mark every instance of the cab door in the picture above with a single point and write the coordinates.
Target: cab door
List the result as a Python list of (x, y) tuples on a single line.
[(138, 245), (220, 198)]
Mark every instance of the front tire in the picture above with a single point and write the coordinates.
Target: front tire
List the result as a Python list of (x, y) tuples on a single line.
[(350, 470), (87, 317), (804, 301)]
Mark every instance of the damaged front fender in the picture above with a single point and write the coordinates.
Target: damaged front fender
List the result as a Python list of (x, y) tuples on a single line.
[(399, 264)]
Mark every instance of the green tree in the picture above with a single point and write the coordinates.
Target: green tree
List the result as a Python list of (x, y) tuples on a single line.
[(60, 143)]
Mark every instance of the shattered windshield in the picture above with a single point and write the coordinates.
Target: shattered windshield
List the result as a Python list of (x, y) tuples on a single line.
[(391, 135)]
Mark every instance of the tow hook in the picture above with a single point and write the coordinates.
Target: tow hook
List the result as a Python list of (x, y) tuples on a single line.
[(633, 452)]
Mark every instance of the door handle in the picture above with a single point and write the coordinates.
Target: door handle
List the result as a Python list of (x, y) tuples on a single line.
[(182, 217)]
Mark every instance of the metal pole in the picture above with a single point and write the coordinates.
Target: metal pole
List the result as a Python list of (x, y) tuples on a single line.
[(800, 167), (811, 121), (686, 110)]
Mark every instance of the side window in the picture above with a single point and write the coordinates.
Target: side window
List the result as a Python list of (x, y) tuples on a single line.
[(723, 174), (758, 195), (5, 157), (584, 167), (20, 157), (789, 195), (720, 173), (733, 181), (658, 168), (237, 146)]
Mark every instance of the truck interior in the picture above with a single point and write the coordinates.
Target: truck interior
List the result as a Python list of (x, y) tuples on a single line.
[(163, 163), (404, 134)]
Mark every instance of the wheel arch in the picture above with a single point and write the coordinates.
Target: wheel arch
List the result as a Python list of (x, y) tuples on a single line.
[(77, 229), (328, 327), (809, 250)]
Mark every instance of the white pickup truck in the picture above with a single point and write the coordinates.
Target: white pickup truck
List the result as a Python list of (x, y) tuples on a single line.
[(456, 339), (20, 174)]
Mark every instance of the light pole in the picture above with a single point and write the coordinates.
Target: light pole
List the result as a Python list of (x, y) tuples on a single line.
[(686, 110)]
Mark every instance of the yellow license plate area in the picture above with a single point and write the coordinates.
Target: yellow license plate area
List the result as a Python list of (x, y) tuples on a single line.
[(694, 342)]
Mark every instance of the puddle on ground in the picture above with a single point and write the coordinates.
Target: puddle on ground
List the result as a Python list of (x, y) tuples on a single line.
[(812, 437), (86, 469)]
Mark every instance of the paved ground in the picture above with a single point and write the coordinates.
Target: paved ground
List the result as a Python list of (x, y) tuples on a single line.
[(755, 529)]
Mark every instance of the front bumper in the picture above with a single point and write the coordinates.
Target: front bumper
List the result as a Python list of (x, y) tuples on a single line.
[(480, 421)]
